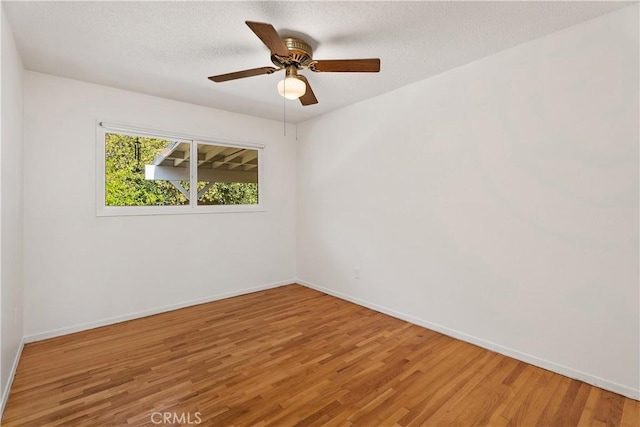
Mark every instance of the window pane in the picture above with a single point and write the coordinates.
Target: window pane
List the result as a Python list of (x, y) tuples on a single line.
[(227, 175), (141, 171)]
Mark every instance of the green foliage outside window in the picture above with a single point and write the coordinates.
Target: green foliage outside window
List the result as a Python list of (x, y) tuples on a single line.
[(125, 183)]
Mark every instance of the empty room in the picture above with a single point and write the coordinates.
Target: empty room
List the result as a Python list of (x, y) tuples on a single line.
[(308, 213)]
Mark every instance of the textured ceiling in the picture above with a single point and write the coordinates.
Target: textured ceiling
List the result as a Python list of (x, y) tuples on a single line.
[(169, 49)]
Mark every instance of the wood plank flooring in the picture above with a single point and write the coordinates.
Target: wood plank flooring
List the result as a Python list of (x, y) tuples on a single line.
[(291, 356)]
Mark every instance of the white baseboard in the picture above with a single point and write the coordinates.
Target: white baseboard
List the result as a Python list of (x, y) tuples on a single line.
[(533, 360), (111, 320), (12, 374)]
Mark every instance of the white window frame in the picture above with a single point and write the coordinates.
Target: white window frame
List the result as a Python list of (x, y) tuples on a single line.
[(103, 127)]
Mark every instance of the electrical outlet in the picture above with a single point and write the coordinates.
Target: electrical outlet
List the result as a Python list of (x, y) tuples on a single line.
[(356, 272)]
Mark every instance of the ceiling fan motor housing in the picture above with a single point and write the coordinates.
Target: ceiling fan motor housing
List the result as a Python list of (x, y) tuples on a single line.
[(301, 55)]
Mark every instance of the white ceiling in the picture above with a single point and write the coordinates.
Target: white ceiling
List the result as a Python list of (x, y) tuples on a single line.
[(169, 49)]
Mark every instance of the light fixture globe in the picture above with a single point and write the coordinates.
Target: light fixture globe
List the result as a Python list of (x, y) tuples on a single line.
[(291, 87)]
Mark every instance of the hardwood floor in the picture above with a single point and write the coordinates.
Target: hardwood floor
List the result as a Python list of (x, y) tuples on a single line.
[(291, 356)]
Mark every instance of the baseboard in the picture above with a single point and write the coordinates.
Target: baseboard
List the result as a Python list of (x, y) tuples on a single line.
[(112, 320), (12, 374), (533, 360)]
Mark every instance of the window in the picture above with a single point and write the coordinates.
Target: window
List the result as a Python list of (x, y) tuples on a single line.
[(126, 159), (227, 175), (154, 172)]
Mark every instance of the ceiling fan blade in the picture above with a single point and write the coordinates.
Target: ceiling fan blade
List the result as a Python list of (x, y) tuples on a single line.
[(269, 37), (371, 65), (309, 98), (242, 74)]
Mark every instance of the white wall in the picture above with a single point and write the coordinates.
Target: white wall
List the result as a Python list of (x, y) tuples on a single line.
[(497, 202), (11, 329), (82, 270)]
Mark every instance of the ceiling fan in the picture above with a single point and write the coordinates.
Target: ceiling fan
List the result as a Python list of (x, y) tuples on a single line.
[(292, 54)]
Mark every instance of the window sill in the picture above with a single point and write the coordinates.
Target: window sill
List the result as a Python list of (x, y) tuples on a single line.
[(175, 210)]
